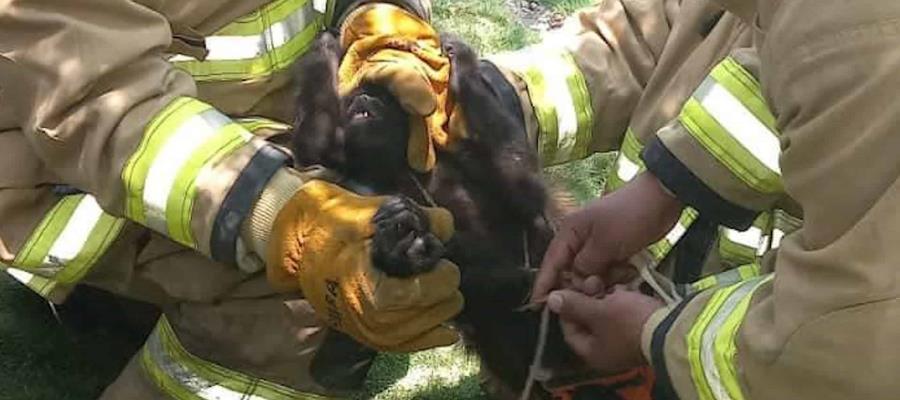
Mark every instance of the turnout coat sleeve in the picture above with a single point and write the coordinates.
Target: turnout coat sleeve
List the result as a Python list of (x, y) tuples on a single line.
[(107, 114), (90, 86), (822, 323), (580, 86)]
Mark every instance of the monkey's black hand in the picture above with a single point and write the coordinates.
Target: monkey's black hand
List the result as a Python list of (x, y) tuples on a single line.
[(403, 244)]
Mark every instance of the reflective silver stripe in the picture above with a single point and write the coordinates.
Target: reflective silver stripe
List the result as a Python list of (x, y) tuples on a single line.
[(559, 94), (626, 169), (707, 352), (254, 46), (44, 287), (777, 235), (184, 376), (714, 329), (676, 233), (76, 233), (320, 5), (175, 153), (22, 276), (752, 237), (740, 123), (195, 384)]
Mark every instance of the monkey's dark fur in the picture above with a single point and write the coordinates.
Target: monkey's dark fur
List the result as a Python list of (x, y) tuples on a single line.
[(491, 185)]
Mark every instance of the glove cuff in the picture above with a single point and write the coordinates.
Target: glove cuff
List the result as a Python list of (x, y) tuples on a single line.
[(258, 227), (421, 8)]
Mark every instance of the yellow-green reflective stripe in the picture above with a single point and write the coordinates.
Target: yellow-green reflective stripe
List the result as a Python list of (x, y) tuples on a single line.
[(695, 340), (786, 222), (254, 23), (260, 67), (735, 247), (43, 286), (712, 375), (743, 85), (731, 112), (561, 100), (742, 247), (705, 283), (329, 11), (628, 163), (748, 271), (180, 203), (747, 148), (256, 56), (163, 126), (254, 124), (726, 149), (725, 348), (101, 237), (660, 249), (728, 277), (632, 147), (187, 137), (626, 169), (34, 253), (185, 376), (69, 240)]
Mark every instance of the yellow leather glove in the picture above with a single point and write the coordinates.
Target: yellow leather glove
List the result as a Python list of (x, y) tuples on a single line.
[(387, 46), (321, 242)]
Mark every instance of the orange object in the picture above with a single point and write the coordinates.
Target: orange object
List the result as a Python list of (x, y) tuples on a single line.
[(636, 384)]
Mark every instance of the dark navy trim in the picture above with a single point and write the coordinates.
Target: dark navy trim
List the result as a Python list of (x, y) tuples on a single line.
[(692, 249), (691, 190), (65, 190), (662, 387), (240, 199)]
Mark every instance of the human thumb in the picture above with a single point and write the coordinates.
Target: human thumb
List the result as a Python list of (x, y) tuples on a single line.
[(572, 306)]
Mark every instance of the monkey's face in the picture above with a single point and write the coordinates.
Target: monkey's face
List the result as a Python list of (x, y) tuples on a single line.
[(375, 135)]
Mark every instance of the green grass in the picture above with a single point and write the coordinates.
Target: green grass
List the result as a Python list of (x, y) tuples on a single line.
[(447, 373), (487, 25), (583, 178), (42, 359), (566, 6)]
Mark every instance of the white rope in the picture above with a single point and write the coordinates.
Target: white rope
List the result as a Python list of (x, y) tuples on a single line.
[(537, 372), (643, 267)]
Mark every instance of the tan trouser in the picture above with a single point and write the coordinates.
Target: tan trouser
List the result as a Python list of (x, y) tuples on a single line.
[(218, 314)]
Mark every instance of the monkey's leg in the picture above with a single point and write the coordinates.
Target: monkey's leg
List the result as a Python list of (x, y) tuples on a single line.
[(496, 152)]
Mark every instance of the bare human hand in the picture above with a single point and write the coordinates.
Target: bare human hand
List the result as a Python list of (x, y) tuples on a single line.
[(605, 332), (591, 250)]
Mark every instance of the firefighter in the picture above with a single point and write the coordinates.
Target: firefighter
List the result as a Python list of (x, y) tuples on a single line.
[(755, 169), (134, 157)]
